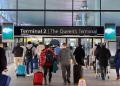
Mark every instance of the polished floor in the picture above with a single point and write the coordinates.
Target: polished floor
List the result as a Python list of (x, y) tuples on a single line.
[(57, 79)]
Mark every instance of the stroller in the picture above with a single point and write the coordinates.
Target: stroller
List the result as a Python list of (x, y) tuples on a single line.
[(98, 70)]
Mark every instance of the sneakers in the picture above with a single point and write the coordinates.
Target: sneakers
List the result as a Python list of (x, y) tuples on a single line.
[(27, 74), (68, 81)]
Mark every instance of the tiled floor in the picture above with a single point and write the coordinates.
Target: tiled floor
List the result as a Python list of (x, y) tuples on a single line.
[(57, 79)]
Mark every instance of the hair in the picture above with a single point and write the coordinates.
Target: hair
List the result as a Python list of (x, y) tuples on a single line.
[(47, 46), (18, 44), (29, 42), (64, 44)]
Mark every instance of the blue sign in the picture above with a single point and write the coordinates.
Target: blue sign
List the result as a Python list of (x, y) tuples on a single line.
[(110, 32), (7, 32)]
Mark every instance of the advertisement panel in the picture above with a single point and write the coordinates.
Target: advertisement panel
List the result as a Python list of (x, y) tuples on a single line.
[(7, 32), (110, 32)]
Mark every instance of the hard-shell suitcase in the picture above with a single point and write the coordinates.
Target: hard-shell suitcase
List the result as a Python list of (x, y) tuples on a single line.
[(4, 80), (21, 70), (38, 78), (77, 73)]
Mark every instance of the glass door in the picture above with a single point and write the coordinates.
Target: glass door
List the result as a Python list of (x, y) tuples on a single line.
[(72, 42), (87, 45)]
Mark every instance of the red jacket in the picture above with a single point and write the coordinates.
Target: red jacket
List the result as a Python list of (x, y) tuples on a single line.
[(42, 59)]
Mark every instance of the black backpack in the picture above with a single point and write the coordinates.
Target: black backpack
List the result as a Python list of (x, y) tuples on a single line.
[(49, 58), (29, 53)]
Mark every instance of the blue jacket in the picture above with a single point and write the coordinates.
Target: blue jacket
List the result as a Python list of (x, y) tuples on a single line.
[(117, 60)]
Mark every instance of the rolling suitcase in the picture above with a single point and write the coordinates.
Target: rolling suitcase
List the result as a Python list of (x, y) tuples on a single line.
[(38, 78), (77, 73), (21, 70), (4, 80)]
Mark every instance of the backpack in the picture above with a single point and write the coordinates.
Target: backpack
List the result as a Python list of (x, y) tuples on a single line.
[(49, 58), (29, 53)]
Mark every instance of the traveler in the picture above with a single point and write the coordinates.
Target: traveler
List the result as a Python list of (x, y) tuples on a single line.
[(47, 57), (57, 51), (39, 48), (65, 60), (29, 57), (79, 55), (117, 63), (3, 60), (93, 57), (104, 56), (18, 54), (24, 49)]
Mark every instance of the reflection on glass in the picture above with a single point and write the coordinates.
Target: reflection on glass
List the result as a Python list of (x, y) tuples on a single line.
[(86, 4), (110, 17), (8, 4), (7, 16), (31, 18), (86, 19), (59, 19), (87, 45), (30, 4), (111, 5), (59, 4)]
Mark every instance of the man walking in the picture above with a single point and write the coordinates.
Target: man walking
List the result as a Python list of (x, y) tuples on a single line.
[(65, 59), (18, 55)]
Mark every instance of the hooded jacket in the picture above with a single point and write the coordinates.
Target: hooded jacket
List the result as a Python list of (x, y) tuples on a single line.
[(42, 58)]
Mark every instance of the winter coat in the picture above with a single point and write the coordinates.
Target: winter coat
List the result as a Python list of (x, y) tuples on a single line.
[(3, 61), (117, 59), (104, 56), (42, 58), (18, 51), (79, 55)]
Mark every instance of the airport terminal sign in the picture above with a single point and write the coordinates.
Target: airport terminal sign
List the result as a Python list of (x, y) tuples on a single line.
[(38, 30)]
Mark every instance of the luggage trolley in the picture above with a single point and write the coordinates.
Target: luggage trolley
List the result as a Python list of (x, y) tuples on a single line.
[(98, 70)]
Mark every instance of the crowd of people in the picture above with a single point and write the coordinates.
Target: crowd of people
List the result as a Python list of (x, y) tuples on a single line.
[(48, 55)]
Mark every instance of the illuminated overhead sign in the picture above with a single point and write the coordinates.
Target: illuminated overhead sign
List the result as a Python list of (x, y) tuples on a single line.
[(52, 30)]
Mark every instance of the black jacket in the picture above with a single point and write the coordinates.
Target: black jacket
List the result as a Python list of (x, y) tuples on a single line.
[(104, 56), (18, 51), (3, 61), (79, 55)]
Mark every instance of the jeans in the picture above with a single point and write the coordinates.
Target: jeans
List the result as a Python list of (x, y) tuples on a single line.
[(103, 72), (117, 71), (29, 64)]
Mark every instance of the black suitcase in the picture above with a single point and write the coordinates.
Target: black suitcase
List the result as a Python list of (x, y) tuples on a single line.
[(77, 73)]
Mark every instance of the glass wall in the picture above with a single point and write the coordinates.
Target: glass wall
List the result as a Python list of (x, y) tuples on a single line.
[(31, 18), (59, 4), (60, 12), (59, 19), (110, 4), (110, 17), (86, 19), (8, 16), (30, 4), (7, 4)]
